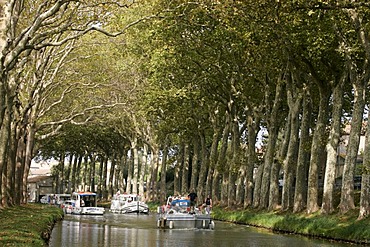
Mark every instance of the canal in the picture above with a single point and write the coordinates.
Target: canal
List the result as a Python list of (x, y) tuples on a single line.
[(131, 230)]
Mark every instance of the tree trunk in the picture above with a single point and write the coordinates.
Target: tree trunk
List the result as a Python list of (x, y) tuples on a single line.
[(153, 182), (143, 169), (365, 182), (62, 177), (5, 17), (93, 173), (104, 179), (275, 189), (257, 186), (290, 162), (21, 194), (11, 163), (225, 188), (86, 174), (211, 177), (317, 148), (129, 165), (327, 206), (112, 174), (78, 172), (240, 183), (185, 171), (135, 157), (4, 144), (194, 165), (178, 168), (163, 188), (68, 174), (149, 180), (262, 184), (74, 172), (347, 193), (300, 193), (216, 185), (100, 182), (294, 98), (204, 166), (253, 129), (235, 159), (223, 165), (123, 168), (346, 196)]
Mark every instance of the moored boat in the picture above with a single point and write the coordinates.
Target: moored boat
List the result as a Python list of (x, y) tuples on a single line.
[(67, 207), (177, 214), (85, 203), (128, 203)]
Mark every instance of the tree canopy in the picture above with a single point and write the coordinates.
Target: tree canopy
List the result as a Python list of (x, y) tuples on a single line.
[(133, 91)]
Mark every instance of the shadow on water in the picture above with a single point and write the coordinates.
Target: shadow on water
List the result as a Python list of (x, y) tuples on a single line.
[(141, 230)]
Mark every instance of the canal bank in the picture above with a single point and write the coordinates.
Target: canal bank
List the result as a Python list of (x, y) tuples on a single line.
[(345, 228), (28, 225)]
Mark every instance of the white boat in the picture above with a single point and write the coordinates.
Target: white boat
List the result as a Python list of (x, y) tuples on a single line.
[(128, 203), (176, 214), (61, 198), (67, 207), (85, 203)]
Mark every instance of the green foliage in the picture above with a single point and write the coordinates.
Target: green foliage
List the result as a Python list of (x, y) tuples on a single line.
[(192, 65), (82, 140)]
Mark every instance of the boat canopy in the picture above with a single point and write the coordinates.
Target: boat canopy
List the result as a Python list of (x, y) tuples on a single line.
[(180, 203), (85, 193)]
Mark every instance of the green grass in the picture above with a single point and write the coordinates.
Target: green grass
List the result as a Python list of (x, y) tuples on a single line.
[(335, 227), (27, 225)]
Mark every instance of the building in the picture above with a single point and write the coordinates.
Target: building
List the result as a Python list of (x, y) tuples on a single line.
[(40, 180), (39, 186)]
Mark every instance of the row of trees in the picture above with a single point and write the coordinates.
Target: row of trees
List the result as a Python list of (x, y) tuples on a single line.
[(185, 91), (220, 71), (41, 88)]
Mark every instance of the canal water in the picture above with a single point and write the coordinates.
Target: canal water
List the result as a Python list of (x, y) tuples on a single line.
[(132, 230)]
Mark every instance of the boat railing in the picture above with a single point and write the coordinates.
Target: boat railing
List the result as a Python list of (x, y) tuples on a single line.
[(175, 205)]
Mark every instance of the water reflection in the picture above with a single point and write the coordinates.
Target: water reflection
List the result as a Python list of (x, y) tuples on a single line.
[(141, 231)]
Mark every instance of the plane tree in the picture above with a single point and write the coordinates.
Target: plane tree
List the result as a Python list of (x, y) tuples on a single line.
[(33, 33), (202, 48), (204, 56), (357, 51)]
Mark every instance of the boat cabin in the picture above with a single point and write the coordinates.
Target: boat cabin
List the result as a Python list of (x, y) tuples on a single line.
[(84, 199)]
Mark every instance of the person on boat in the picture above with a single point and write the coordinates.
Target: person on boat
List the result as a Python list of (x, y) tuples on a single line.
[(193, 198), (208, 203), (165, 207), (82, 203)]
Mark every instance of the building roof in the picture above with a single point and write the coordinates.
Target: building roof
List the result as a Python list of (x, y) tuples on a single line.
[(37, 179), (41, 168)]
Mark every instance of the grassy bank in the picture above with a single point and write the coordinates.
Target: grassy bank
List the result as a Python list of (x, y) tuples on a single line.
[(335, 227), (27, 225)]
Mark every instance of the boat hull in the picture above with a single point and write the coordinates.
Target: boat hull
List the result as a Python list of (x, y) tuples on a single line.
[(177, 213), (185, 221), (128, 203), (128, 210), (88, 210)]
